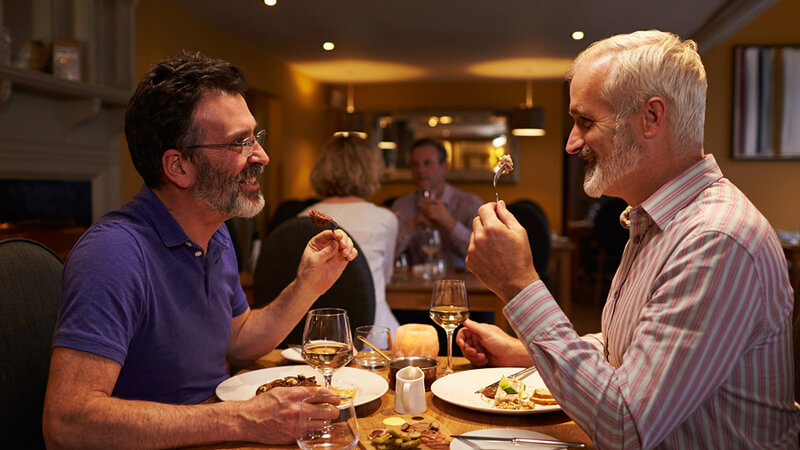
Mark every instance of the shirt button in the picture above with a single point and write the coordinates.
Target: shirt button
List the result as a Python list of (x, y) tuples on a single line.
[(188, 244), (637, 239), (616, 295), (198, 253)]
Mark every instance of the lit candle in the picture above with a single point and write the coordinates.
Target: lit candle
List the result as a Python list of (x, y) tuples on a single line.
[(416, 339)]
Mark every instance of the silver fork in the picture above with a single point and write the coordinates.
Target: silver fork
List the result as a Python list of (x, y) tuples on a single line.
[(499, 170), (518, 375)]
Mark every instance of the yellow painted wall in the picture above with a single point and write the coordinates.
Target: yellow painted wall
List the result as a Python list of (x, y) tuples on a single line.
[(540, 162), (298, 115), (773, 186)]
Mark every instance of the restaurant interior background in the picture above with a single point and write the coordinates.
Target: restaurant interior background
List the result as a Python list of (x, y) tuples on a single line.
[(298, 111)]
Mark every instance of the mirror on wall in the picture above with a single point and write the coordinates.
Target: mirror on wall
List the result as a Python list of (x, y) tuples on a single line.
[(474, 139), (766, 102)]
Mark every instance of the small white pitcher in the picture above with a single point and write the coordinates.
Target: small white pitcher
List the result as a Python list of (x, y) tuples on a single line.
[(410, 391)]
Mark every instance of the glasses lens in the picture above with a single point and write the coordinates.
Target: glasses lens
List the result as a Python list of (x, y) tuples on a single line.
[(260, 137)]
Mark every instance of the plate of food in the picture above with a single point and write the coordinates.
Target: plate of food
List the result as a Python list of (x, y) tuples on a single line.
[(526, 396), (360, 385)]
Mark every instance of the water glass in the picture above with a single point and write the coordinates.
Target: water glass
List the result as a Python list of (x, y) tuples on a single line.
[(366, 357), (324, 425)]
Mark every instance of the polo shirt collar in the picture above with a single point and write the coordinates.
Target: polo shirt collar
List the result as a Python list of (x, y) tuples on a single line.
[(666, 202), (168, 229)]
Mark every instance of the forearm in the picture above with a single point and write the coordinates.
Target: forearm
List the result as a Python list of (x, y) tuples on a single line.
[(261, 330), (108, 422)]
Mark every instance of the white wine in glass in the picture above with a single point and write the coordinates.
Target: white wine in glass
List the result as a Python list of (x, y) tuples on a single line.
[(327, 343), (449, 309), (431, 243)]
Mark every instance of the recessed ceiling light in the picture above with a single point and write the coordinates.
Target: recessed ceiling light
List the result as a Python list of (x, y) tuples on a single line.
[(577, 35), (328, 46), (270, 2)]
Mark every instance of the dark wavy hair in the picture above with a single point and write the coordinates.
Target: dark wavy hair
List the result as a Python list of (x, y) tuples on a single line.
[(160, 115)]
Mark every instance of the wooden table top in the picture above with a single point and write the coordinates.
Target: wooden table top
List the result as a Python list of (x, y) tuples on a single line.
[(452, 419)]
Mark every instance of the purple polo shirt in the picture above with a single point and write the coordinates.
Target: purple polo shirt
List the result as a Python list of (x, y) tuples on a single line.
[(136, 290)]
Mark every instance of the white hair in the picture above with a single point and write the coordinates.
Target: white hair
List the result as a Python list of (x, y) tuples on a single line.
[(650, 64)]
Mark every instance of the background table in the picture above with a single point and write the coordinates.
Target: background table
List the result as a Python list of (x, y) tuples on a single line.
[(453, 419)]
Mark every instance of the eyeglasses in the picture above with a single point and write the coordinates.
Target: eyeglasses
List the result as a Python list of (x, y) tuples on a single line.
[(244, 146)]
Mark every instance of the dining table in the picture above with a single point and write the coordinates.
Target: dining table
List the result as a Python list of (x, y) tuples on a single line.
[(450, 418)]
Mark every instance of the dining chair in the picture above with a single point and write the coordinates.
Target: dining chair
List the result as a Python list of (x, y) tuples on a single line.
[(30, 285), (277, 267), (531, 216)]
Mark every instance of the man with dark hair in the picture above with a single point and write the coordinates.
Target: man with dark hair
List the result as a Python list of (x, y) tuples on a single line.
[(152, 304), (436, 204), (696, 342)]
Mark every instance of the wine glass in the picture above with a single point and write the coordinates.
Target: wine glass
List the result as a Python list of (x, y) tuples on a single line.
[(431, 243), (323, 425), (449, 309), (327, 343)]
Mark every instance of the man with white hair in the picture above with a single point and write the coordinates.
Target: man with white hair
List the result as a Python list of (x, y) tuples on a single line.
[(695, 349)]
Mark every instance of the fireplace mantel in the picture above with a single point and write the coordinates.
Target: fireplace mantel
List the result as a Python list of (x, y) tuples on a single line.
[(58, 129)]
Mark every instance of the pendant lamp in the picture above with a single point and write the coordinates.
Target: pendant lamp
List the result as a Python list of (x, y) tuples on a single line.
[(350, 121), (527, 120)]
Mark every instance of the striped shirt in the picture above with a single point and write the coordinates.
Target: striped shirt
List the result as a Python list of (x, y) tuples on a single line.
[(463, 206), (696, 329)]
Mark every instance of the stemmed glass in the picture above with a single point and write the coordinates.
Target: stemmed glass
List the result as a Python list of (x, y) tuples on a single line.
[(449, 309), (323, 425), (431, 243), (327, 343)]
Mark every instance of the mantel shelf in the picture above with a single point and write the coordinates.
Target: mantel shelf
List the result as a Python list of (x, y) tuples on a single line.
[(49, 85)]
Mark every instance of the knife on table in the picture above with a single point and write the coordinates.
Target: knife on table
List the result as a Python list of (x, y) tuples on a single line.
[(519, 440)]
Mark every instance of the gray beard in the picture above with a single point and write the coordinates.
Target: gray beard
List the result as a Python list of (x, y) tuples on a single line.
[(609, 170), (223, 193)]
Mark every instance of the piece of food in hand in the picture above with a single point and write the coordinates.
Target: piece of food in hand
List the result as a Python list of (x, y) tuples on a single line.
[(299, 380), (321, 219), (505, 163), (543, 397)]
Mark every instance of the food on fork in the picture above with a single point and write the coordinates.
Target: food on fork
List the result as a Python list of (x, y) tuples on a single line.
[(505, 163), (321, 219)]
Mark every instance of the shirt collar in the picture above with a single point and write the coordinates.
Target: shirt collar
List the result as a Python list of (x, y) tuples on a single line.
[(168, 229), (665, 203)]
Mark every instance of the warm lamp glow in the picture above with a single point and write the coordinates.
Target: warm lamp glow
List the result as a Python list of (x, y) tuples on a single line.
[(433, 121), (577, 35), (328, 46), (445, 120), (270, 2), (528, 132)]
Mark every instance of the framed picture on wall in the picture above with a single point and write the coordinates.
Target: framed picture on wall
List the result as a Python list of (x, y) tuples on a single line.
[(766, 102), (67, 59)]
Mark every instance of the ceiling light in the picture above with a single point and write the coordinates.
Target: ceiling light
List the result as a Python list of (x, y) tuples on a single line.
[(328, 45), (577, 35), (270, 2), (433, 121), (527, 120)]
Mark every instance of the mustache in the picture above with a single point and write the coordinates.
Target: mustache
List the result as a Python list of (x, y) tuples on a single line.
[(250, 170)]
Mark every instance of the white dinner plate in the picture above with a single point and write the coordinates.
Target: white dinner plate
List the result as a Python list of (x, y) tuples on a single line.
[(293, 354), (458, 444), (368, 385), (459, 389)]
